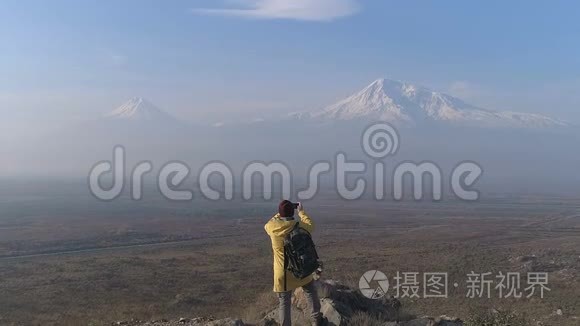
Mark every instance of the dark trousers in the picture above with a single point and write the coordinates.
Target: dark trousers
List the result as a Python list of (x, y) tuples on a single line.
[(286, 304)]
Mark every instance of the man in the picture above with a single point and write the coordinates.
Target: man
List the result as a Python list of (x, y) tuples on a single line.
[(284, 282)]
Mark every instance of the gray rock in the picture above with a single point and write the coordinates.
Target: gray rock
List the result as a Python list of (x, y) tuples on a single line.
[(226, 322), (425, 321), (448, 321), (327, 307), (339, 304)]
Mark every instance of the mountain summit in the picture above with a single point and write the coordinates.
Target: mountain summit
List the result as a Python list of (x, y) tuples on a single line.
[(139, 109), (403, 103)]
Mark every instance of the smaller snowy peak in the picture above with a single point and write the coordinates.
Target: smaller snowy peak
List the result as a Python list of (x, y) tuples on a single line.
[(138, 109)]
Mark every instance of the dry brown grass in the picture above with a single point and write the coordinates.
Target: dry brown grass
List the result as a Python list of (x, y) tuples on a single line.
[(227, 271)]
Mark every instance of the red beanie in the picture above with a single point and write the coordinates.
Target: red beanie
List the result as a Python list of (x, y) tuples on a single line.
[(286, 208)]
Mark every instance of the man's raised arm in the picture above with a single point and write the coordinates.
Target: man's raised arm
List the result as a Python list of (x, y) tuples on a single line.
[(305, 221)]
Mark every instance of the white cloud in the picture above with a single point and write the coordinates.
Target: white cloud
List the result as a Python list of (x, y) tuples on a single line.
[(465, 90), (112, 57), (312, 10), (118, 59)]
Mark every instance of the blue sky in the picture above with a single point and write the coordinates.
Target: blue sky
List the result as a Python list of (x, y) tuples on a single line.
[(63, 61)]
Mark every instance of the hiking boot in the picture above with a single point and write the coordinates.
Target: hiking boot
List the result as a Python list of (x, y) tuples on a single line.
[(320, 321)]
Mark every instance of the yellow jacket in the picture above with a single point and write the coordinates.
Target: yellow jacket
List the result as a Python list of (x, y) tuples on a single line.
[(277, 228)]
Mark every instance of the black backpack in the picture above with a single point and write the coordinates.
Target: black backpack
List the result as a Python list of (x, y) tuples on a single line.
[(300, 256)]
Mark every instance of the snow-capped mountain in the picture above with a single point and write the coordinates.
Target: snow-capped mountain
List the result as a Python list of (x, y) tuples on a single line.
[(139, 109), (406, 104)]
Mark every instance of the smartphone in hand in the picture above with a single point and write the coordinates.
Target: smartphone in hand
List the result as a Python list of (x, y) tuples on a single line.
[(299, 206)]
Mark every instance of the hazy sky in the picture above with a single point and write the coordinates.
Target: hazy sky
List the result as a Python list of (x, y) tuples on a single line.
[(63, 61)]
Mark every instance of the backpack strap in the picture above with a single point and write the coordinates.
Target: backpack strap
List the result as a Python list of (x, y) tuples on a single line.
[(286, 260), (297, 225)]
